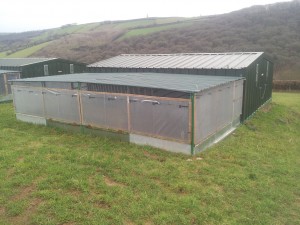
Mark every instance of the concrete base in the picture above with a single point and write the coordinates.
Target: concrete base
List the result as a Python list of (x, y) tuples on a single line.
[(31, 119), (114, 135), (159, 143), (135, 138)]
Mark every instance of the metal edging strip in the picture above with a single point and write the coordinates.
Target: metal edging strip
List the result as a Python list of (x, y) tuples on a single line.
[(193, 124)]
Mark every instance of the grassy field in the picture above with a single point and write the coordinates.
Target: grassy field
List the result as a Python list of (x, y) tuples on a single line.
[(2, 54), (28, 51), (61, 31), (147, 22), (149, 30), (48, 176), (82, 28)]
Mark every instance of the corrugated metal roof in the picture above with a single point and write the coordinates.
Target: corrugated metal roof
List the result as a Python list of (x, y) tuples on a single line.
[(174, 82), (8, 71), (229, 60), (22, 61)]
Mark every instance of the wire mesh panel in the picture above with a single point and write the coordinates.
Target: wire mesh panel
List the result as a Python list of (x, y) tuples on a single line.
[(62, 105), (214, 110), (28, 101), (226, 105), (238, 99), (104, 110), (61, 85), (159, 117)]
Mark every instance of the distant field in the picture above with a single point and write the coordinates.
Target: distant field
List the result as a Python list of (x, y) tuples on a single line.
[(145, 31), (147, 22), (71, 29), (2, 54), (28, 51), (48, 176), (63, 31)]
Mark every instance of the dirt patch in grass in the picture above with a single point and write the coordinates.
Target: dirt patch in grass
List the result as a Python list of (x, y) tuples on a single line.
[(11, 170), (111, 183), (34, 145), (266, 108), (21, 159), (102, 204), (2, 211), (75, 193), (151, 156), (24, 193), (132, 223), (155, 157), (24, 218)]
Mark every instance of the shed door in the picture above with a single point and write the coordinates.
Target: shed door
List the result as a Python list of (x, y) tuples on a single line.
[(162, 118), (104, 110)]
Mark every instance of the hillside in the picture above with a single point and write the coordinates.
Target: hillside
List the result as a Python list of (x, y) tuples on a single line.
[(274, 29)]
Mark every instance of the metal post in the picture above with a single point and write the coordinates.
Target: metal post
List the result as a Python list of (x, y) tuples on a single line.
[(193, 124), (128, 114), (80, 108), (43, 92), (5, 83)]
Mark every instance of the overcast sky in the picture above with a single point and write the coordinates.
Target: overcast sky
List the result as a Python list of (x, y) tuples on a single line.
[(24, 15)]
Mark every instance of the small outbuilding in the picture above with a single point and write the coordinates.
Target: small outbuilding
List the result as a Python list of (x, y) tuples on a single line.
[(177, 112), (34, 67), (255, 67), (5, 88)]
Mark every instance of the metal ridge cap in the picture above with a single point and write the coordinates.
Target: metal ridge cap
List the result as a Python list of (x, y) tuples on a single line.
[(191, 53)]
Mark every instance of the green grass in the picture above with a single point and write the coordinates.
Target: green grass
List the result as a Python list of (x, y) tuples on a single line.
[(88, 27), (48, 176), (28, 51), (150, 30), (62, 31), (2, 54), (147, 22)]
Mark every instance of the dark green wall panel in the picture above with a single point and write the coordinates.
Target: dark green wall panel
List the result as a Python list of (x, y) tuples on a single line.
[(255, 93)]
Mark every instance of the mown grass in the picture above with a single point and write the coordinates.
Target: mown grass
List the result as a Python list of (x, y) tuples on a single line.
[(48, 176), (28, 51)]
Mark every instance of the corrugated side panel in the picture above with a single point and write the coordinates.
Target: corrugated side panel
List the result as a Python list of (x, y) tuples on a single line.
[(258, 88)]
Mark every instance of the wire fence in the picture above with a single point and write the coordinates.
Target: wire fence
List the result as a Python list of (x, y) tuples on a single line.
[(161, 117)]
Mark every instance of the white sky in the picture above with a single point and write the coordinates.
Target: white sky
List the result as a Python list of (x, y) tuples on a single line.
[(24, 15)]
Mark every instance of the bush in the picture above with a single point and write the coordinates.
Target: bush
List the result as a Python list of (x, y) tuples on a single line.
[(286, 85)]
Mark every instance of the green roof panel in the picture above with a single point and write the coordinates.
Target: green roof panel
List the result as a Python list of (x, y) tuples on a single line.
[(175, 82)]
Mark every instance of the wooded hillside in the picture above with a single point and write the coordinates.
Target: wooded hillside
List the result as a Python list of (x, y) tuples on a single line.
[(274, 29)]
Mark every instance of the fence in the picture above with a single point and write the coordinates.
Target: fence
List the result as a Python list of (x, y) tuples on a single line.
[(166, 118), (5, 87)]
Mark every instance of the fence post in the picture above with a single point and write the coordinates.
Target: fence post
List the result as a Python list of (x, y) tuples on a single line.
[(193, 124), (80, 107)]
